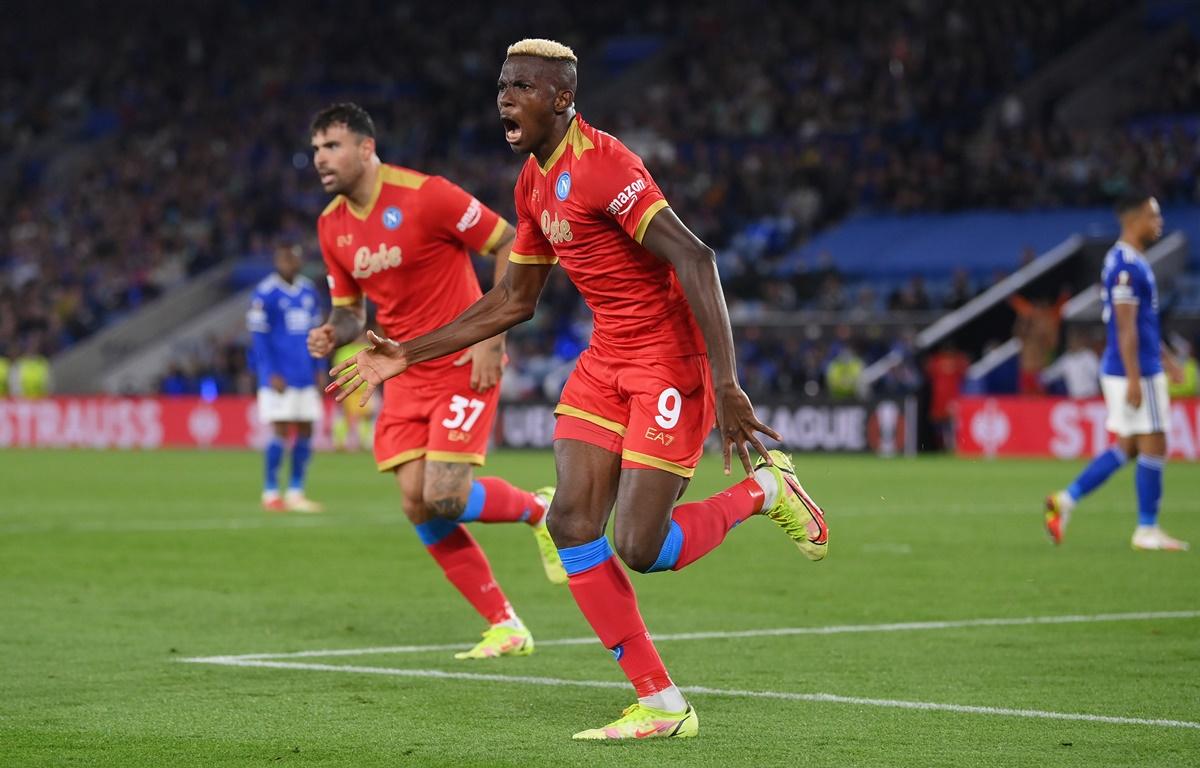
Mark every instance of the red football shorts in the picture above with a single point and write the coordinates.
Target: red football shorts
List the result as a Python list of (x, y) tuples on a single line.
[(437, 417), (656, 412)]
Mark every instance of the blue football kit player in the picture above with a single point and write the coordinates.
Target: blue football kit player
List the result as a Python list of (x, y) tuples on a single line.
[(1132, 378), (285, 307)]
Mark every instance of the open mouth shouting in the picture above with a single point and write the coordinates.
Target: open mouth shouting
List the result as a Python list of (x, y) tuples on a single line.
[(512, 130)]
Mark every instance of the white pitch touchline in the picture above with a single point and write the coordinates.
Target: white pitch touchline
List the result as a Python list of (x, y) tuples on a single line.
[(703, 690), (230, 524), (908, 626)]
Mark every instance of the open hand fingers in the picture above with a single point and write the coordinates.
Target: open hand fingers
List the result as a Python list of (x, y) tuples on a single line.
[(378, 341), (758, 446), (744, 455), (758, 426), (367, 391), (343, 386)]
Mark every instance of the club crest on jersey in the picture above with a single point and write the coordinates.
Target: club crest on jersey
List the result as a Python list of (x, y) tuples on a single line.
[(367, 263), (391, 217), (562, 187), (556, 230)]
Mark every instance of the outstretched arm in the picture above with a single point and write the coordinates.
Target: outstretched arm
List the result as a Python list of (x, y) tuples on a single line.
[(509, 303), (487, 357), (696, 267)]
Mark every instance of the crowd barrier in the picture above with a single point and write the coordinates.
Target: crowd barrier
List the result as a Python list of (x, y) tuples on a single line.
[(884, 426), (1057, 427)]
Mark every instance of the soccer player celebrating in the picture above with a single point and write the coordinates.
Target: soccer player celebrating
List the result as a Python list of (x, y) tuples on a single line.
[(1132, 378), (634, 415), (401, 238), (284, 308)]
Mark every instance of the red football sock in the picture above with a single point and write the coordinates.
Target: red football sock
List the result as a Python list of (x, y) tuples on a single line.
[(494, 500), (606, 598), (467, 569), (705, 523)]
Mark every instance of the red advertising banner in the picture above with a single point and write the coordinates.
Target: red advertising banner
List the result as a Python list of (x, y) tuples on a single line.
[(886, 427), (1056, 427), (134, 422)]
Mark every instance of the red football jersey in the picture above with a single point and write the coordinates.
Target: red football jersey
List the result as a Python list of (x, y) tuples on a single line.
[(589, 207), (407, 251)]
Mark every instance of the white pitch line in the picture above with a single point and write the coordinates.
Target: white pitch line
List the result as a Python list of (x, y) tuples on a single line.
[(823, 698), (216, 524), (837, 629)]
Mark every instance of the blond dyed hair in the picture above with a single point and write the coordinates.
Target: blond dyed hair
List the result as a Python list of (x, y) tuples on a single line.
[(543, 49)]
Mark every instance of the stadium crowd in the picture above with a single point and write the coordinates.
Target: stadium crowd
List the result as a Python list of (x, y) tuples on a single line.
[(188, 148)]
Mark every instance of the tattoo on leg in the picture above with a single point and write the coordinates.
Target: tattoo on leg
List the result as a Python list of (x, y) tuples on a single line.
[(446, 488)]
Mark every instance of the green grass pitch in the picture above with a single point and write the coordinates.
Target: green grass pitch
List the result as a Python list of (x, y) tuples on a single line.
[(116, 566)]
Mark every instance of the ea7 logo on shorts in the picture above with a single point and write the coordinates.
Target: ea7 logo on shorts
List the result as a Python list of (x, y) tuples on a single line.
[(470, 217), (623, 203), (657, 436)]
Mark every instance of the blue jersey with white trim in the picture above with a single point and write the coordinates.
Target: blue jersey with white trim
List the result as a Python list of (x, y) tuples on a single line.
[(1127, 279), (279, 320)]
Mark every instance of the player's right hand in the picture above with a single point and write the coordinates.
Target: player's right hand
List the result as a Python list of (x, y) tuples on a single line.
[(321, 341), (368, 369), (1133, 393), (278, 383)]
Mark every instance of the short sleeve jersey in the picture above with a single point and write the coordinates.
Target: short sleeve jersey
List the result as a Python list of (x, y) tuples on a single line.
[(407, 250), (279, 318), (588, 208), (1127, 279)]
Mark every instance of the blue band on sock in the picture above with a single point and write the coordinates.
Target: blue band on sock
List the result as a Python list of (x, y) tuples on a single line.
[(301, 453), (435, 530), (274, 458), (579, 559), (1095, 473), (475, 500), (670, 549), (1148, 481)]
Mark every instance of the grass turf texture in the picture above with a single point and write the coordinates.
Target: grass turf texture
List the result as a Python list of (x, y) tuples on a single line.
[(113, 566)]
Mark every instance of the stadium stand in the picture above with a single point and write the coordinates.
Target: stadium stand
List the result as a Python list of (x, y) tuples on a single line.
[(864, 170)]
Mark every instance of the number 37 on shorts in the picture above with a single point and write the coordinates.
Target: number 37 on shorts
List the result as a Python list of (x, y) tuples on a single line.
[(464, 415)]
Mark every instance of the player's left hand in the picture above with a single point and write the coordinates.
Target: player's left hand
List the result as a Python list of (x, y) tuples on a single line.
[(368, 369), (737, 424), (487, 363)]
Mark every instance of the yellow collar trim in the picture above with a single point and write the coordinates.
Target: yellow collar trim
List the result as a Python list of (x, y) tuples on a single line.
[(575, 139), (362, 213)]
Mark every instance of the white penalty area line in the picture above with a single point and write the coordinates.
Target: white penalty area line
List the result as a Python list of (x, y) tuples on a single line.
[(837, 629), (822, 698)]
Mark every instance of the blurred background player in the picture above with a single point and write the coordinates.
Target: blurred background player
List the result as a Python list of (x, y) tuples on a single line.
[(353, 423), (1132, 378), (401, 238), (284, 309), (633, 416)]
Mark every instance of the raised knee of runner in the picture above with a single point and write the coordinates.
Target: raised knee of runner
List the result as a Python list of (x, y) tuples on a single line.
[(569, 529), (447, 507), (636, 551), (415, 509), (446, 488)]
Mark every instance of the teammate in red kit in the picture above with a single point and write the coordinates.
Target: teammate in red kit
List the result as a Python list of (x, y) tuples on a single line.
[(634, 415), (401, 238)]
